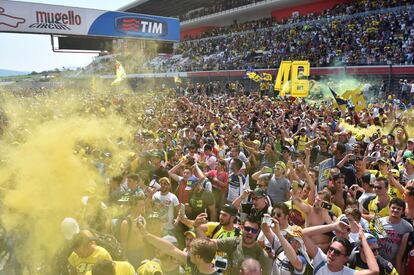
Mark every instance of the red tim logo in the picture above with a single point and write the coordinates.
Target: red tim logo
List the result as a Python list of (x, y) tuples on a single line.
[(10, 21), (129, 24)]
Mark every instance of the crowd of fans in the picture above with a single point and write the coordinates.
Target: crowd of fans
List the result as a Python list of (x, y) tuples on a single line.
[(338, 10), (378, 37), (356, 33), (247, 184)]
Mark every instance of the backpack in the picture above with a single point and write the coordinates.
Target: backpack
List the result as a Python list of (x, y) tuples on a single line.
[(219, 226), (110, 243)]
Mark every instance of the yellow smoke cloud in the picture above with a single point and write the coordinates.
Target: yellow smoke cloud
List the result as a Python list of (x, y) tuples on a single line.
[(49, 153)]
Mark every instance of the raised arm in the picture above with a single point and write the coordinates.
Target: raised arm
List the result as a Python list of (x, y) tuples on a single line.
[(173, 171), (373, 268), (320, 229), (287, 247), (256, 175), (237, 202), (164, 245)]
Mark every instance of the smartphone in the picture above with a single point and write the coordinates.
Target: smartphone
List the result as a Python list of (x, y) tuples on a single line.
[(326, 205), (267, 219)]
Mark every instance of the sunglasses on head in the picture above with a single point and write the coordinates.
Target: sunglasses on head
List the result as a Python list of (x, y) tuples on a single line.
[(251, 230), (335, 251)]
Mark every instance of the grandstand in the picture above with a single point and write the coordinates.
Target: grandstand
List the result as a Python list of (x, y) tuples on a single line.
[(224, 38)]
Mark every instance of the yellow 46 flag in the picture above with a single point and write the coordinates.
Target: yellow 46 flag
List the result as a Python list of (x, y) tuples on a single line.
[(299, 82)]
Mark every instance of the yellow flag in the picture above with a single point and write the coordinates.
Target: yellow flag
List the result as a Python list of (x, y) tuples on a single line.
[(267, 77), (357, 98), (177, 79), (120, 73)]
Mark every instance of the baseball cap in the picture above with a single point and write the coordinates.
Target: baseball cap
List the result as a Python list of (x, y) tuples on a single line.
[(259, 192), (411, 140), (230, 209), (189, 232), (69, 227), (257, 142), (370, 238), (411, 160), (281, 164), (384, 160), (408, 154), (171, 239), (343, 218), (147, 267), (294, 232), (395, 173)]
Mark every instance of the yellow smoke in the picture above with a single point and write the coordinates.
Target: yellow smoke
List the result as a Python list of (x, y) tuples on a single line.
[(49, 152)]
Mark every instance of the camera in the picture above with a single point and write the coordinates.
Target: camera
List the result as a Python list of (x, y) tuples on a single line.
[(220, 264)]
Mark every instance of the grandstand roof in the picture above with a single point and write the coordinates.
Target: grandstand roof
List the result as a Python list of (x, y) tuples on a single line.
[(174, 8)]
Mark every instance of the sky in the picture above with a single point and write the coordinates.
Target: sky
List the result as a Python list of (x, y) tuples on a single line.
[(28, 52)]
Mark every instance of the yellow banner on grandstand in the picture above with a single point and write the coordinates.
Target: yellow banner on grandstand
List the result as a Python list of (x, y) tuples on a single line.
[(254, 76), (267, 77)]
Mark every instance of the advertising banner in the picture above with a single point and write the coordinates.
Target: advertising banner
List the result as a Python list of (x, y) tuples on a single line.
[(24, 17)]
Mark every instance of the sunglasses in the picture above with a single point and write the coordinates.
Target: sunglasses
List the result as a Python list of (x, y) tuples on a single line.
[(252, 230), (335, 251), (278, 214)]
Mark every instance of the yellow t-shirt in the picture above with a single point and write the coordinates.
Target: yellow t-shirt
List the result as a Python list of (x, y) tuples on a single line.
[(121, 268), (289, 204), (392, 191), (83, 265), (221, 233), (372, 208), (301, 141), (336, 210)]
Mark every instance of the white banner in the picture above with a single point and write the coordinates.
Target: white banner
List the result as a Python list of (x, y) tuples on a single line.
[(24, 17)]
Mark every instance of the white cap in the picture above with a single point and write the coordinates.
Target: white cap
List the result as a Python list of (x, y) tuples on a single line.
[(171, 239), (69, 227)]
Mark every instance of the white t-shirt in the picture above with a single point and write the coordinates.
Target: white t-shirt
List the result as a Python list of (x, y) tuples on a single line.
[(324, 270), (267, 243), (169, 201), (281, 264), (211, 162)]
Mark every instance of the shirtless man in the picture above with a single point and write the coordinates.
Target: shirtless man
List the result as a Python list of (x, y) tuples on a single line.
[(317, 215)]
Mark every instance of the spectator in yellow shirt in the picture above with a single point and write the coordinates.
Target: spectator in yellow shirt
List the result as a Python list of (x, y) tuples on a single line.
[(85, 253)]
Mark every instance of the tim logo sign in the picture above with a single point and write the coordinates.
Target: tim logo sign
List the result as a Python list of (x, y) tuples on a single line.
[(137, 25)]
